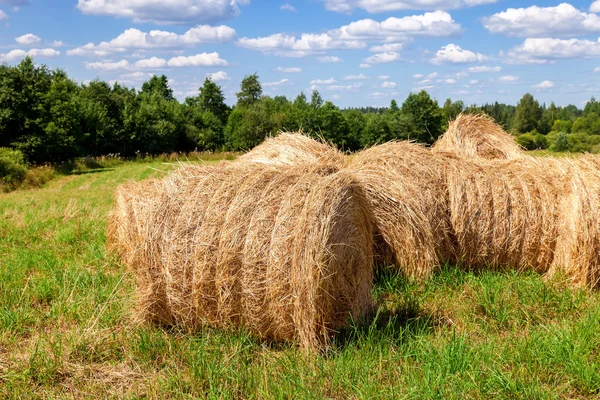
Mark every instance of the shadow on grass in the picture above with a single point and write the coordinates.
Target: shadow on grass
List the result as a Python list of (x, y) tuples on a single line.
[(91, 171)]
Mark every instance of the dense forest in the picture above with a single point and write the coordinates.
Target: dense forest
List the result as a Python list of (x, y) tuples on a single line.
[(50, 118)]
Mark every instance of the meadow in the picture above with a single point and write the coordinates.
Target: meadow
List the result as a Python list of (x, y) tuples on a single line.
[(66, 329)]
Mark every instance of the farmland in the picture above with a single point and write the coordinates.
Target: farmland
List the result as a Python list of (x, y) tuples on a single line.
[(66, 328)]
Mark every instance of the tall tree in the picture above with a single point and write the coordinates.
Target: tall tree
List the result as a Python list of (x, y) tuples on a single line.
[(250, 91), (425, 115), (211, 99), (160, 86), (528, 114)]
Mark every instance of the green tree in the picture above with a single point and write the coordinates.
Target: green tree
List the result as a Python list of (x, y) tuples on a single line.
[(376, 131), (425, 115), (211, 99), (250, 91), (528, 114), (450, 110), (561, 143), (393, 106), (160, 86), (316, 101)]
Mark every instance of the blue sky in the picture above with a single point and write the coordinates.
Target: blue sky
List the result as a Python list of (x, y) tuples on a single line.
[(355, 52)]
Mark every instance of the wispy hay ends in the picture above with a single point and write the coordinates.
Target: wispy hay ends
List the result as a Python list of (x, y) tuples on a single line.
[(477, 136)]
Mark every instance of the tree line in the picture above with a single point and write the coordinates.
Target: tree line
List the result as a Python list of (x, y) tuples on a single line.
[(50, 118)]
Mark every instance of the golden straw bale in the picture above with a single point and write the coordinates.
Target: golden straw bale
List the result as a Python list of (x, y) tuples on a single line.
[(477, 136), (294, 149), (285, 252), (578, 250), (505, 214), (404, 183)]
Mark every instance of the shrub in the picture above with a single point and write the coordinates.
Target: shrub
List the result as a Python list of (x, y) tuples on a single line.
[(13, 168)]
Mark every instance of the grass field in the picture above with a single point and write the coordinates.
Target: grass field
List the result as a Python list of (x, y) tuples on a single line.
[(65, 329)]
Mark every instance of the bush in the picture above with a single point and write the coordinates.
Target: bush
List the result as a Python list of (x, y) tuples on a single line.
[(13, 168), (527, 141)]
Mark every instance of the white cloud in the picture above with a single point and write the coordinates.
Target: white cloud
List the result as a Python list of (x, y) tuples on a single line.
[(28, 39), (438, 23), (364, 65), (395, 47), (322, 81), (198, 60), (219, 76), (534, 21), (156, 39), (541, 51), (484, 68), (108, 66), (164, 12), (388, 85), (288, 70), (151, 63), (449, 81), (473, 82), (385, 77), (329, 59), (453, 53), (418, 89), (136, 76), (377, 6), (354, 77), (595, 7), (57, 43), (290, 46), (335, 96), (417, 76), (597, 69), (3, 15), (544, 85), (508, 79), (18, 54), (277, 83), (342, 88), (433, 75), (287, 7), (380, 58)]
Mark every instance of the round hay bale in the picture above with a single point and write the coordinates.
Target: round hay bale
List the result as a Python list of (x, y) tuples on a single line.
[(505, 214), (405, 187), (294, 149), (477, 136), (578, 251), (285, 253)]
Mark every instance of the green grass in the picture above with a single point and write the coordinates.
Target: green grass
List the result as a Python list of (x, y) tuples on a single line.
[(65, 328)]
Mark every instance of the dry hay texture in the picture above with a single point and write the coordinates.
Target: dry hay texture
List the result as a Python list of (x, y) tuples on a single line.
[(578, 251), (285, 252), (294, 149), (477, 136), (404, 183), (505, 214)]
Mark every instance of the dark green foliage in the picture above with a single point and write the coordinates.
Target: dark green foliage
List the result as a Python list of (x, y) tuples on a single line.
[(250, 91), (426, 116), (562, 142), (528, 114), (12, 168)]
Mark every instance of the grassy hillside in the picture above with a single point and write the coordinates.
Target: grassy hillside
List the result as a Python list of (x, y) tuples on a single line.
[(65, 330)]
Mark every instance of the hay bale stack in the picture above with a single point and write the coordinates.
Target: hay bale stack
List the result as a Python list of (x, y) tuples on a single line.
[(284, 252), (477, 136), (404, 183), (505, 214), (578, 250), (294, 149)]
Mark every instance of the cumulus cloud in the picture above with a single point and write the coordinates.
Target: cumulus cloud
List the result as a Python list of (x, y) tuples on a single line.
[(19, 54), (57, 43), (354, 77), (453, 53), (108, 66), (544, 50), (3, 15), (156, 39), (28, 39), (384, 77), (291, 46), (287, 7), (417, 76), (544, 85), (597, 69), (277, 83), (377, 6), (289, 69), (595, 7), (433, 75), (198, 60), (151, 63), (329, 59), (388, 85), (394, 31), (508, 79), (186, 12), (219, 76), (322, 81), (484, 68), (381, 58), (342, 88), (364, 65), (534, 21)]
